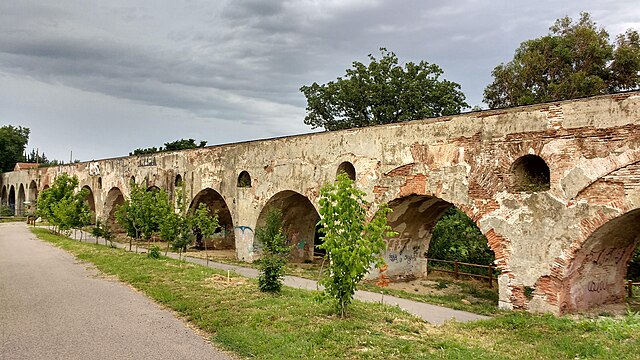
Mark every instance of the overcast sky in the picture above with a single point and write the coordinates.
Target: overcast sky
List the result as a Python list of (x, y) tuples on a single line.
[(101, 78)]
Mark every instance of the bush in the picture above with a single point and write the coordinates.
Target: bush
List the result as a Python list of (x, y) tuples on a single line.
[(154, 252), (275, 251)]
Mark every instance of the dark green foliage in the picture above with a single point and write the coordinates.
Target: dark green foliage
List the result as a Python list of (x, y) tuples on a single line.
[(142, 213), (352, 244), (275, 252), (181, 144), (13, 141), (35, 157), (633, 271), (62, 206), (382, 92), (573, 60), (154, 252), (457, 238), (204, 221)]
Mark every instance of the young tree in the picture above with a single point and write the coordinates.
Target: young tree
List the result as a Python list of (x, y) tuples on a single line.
[(62, 206), (142, 213), (382, 92), (204, 222), (352, 244), (573, 60), (13, 141), (275, 252)]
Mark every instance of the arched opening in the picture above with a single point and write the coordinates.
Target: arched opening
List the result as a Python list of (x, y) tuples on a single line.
[(413, 217), (45, 187), (132, 179), (4, 207), (20, 203), (99, 183), (12, 200), (530, 173), (595, 278), (299, 223), (114, 199), (348, 169), (224, 238), (244, 180), (178, 181), (435, 236), (90, 199), (33, 191), (153, 188)]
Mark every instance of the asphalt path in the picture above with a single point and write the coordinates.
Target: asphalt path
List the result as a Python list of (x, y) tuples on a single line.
[(54, 307)]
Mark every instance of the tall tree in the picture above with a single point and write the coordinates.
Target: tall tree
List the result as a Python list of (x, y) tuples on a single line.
[(382, 92), (575, 59), (13, 141)]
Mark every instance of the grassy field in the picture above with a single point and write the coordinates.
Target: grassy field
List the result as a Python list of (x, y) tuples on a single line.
[(292, 325)]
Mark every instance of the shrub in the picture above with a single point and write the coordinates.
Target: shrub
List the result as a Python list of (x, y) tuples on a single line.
[(275, 251)]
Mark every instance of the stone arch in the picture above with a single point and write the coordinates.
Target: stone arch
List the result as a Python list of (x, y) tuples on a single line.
[(595, 277), (20, 201), (33, 191), (529, 173), (99, 183), (114, 199), (347, 168), (299, 222), (178, 180), (153, 188), (224, 237), (11, 201), (132, 179), (244, 179), (3, 195), (413, 218), (90, 199)]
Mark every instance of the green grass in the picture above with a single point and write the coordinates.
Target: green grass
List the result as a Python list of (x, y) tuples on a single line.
[(479, 299), (13, 219), (292, 325)]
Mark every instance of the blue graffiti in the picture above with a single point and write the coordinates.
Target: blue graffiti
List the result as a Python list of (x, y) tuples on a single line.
[(243, 228)]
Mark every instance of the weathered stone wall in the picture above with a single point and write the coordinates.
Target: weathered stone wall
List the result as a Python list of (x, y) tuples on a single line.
[(544, 239)]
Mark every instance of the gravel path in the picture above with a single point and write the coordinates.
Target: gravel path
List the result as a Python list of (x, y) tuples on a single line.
[(53, 307)]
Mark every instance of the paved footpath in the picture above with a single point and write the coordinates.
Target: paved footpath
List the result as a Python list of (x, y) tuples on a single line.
[(433, 314), (52, 307)]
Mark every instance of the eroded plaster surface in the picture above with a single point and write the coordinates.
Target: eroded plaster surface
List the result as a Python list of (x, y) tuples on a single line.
[(555, 246)]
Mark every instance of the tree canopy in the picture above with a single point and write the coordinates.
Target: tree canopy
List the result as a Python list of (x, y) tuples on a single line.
[(575, 59), (13, 141), (382, 92), (181, 144)]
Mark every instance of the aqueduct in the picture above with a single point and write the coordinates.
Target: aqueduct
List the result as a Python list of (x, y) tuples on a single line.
[(555, 188)]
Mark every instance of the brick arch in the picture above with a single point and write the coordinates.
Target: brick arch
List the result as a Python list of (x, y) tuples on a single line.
[(91, 201), (300, 217), (600, 169), (225, 237), (33, 191), (114, 198), (3, 195), (21, 198), (595, 276), (11, 200)]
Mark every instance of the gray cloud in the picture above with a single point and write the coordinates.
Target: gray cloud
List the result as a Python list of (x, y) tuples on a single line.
[(236, 66)]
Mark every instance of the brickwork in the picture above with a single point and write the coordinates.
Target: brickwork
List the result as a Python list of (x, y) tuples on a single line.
[(545, 239)]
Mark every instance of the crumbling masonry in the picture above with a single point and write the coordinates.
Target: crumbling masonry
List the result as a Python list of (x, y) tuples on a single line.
[(555, 188)]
